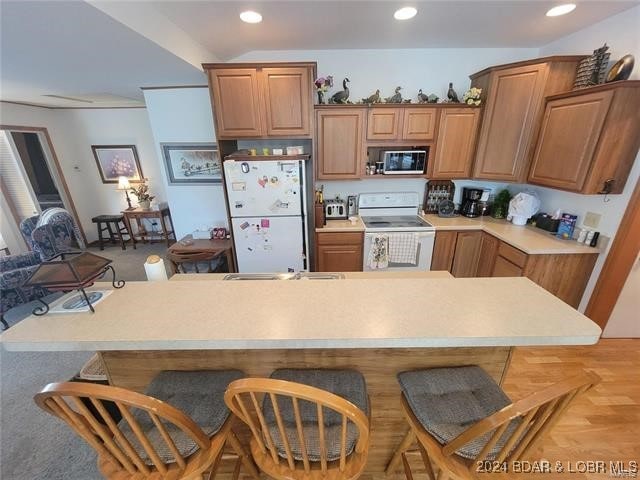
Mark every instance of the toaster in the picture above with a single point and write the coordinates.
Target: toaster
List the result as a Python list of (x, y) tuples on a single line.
[(335, 209)]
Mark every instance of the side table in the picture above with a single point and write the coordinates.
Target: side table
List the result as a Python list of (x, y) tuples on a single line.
[(163, 215)]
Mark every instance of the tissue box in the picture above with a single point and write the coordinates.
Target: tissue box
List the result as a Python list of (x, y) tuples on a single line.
[(566, 227), (545, 222)]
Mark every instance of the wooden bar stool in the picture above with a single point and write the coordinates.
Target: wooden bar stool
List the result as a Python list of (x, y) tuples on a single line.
[(301, 431), (460, 418), (177, 431), (117, 228)]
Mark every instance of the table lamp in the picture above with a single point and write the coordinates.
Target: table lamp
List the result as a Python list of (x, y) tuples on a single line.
[(123, 184)]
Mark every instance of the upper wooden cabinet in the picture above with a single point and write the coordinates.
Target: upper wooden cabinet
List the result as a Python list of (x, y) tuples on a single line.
[(419, 123), (455, 144), (513, 104), (339, 143), (589, 139), (383, 123), (401, 123), (254, 101)]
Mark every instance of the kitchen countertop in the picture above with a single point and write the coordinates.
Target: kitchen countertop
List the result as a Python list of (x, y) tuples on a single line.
[(350, 313), (342, 226), (529, 239)]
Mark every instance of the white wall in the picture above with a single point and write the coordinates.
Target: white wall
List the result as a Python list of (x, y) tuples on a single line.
[(620, 32), (72, 133), (183, 115)]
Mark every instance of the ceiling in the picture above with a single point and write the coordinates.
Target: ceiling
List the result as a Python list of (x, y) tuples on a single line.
[(317, 25), (99, 53)]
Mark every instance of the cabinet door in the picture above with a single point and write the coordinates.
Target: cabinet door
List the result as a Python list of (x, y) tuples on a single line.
[(419, 124), (236, 102), (443, 249), (339, 258), (383, 123), (455, 144), (465, 260), (568, 138), (488, 254), (339, 143), (512, 108), (287, 101), (504, 268)]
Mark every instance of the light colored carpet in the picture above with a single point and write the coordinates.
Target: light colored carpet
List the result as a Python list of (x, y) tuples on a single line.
[(33, 444)]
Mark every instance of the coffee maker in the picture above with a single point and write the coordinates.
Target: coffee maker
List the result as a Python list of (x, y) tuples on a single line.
[(471, 202)]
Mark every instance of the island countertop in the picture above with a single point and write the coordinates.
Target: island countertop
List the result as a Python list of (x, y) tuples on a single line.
[(349, 313)]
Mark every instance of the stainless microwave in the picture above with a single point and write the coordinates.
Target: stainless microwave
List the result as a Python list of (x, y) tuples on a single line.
[(403, 162)]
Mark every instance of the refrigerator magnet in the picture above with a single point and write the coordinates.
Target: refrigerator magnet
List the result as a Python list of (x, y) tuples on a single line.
[(263, 181), (264, 223), (244, 225), (239, 186)]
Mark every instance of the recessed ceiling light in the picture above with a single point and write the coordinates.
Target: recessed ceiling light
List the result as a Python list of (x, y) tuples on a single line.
[(405, 13), (251, 17), (561, 10)]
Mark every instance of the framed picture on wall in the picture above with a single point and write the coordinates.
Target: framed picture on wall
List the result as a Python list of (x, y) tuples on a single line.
[(192, 163), (117, 161)]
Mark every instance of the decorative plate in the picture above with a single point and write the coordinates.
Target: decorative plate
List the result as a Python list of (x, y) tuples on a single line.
[(621, 70)]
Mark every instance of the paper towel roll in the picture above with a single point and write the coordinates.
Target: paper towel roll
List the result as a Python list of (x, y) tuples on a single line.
[(154, 268)]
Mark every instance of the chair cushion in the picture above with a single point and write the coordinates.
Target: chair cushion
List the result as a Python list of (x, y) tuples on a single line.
[(447, 401), (198, 394), (348, 384)]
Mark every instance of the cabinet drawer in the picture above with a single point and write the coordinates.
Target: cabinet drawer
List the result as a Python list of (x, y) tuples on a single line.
[(504, 268), (515, 256), (339, 238)]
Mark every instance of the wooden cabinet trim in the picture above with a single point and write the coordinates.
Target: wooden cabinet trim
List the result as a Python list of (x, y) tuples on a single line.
[(339, 238)]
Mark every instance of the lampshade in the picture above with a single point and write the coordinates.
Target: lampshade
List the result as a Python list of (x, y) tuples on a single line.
[(123, 183)]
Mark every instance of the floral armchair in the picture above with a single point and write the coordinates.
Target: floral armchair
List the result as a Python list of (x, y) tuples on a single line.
[(59, 234), (14, 272)]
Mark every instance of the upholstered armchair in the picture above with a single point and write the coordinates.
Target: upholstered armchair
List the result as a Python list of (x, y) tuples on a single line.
[(14, 272), (57, 234)]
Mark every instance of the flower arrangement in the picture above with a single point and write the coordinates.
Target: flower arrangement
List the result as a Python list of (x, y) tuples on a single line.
[(142, 192), (472, 96)]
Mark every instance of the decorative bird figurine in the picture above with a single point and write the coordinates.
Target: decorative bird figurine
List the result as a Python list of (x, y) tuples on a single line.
[(395, 98), (375, 98), (432, 98), (422, 98), (452, 95), (342, 96)]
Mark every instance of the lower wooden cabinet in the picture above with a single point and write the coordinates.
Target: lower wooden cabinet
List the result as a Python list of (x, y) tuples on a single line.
[(339, 252), (479, 254)]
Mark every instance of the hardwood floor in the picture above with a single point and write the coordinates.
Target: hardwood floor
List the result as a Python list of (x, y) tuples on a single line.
[(602, 425)]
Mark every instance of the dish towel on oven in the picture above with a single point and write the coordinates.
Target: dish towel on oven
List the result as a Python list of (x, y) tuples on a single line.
[(379, 252), (403, 248)]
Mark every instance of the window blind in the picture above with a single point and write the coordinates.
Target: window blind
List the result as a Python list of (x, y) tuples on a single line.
[(14, 186)]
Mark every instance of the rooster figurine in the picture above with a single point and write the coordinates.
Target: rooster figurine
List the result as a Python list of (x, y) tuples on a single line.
[(342, 96)]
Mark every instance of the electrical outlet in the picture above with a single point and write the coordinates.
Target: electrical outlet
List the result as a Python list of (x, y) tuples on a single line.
[(592, 220)]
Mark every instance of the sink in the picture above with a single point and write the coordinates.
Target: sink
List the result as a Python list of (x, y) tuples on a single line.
[(284, 276)]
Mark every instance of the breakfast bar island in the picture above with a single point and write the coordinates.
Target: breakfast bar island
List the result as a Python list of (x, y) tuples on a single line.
[(378, 324)]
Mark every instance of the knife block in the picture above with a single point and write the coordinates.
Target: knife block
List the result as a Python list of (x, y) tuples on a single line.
[(320, 220)]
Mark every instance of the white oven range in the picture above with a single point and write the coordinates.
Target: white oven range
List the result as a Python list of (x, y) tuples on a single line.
[(394, 217)]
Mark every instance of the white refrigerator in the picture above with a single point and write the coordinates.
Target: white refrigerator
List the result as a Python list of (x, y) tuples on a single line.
[(268, 214)]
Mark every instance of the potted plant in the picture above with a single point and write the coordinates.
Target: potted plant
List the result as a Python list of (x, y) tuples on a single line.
[(501, 204), (142, 194)]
